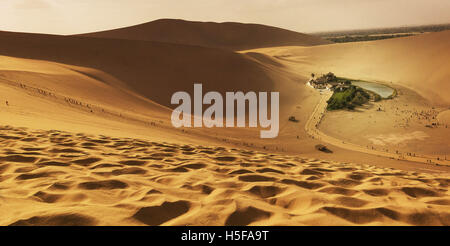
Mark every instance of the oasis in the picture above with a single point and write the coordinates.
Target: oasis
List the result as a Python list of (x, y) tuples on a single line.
[(213, 115)]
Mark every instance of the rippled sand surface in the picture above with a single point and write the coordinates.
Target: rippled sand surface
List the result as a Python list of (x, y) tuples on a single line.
[(62, 178)]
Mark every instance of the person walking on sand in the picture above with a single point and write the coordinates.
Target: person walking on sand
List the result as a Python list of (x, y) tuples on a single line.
[(7, 104)]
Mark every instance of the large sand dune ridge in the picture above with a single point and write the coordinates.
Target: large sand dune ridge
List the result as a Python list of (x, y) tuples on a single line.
[(228, 35), (152, 69)]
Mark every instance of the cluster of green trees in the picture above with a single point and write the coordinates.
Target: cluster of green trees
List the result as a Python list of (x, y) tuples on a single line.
[(349, 98)]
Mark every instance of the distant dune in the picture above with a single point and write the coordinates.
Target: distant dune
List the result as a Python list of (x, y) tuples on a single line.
[(228, 35)]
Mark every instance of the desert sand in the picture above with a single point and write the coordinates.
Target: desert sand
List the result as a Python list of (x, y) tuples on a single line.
[(87, 140), (60, 178)]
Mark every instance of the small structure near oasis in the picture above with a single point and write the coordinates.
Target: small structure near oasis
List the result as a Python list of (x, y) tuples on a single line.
[(328, 81)]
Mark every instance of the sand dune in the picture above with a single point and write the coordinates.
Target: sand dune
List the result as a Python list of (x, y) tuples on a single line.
[(150, 69), (155, 71), (228, 35), (62, 178), (47, 94)]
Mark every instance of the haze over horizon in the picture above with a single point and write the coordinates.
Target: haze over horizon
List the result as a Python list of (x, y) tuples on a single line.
[(70, 17)]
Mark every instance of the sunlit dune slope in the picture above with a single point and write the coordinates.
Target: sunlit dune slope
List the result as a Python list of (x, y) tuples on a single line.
[(229, 35), (65, 178), (51, 95), (420, 62)]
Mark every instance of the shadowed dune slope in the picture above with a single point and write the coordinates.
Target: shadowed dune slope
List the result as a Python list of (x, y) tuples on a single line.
[(420, 63), (154, 70), (229, 35)]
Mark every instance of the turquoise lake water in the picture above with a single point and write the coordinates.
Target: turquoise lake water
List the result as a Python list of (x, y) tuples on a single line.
[(382, 90)]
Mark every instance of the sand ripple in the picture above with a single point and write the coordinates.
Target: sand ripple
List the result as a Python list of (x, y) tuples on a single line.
[(61, 178)]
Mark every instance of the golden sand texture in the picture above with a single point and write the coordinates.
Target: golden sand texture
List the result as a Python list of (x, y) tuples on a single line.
[(61, 178)]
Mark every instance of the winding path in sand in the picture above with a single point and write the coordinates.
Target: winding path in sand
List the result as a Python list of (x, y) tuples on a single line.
[(312, 129)]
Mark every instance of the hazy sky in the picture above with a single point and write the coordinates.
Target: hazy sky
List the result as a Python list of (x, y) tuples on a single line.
[(78, 16)]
